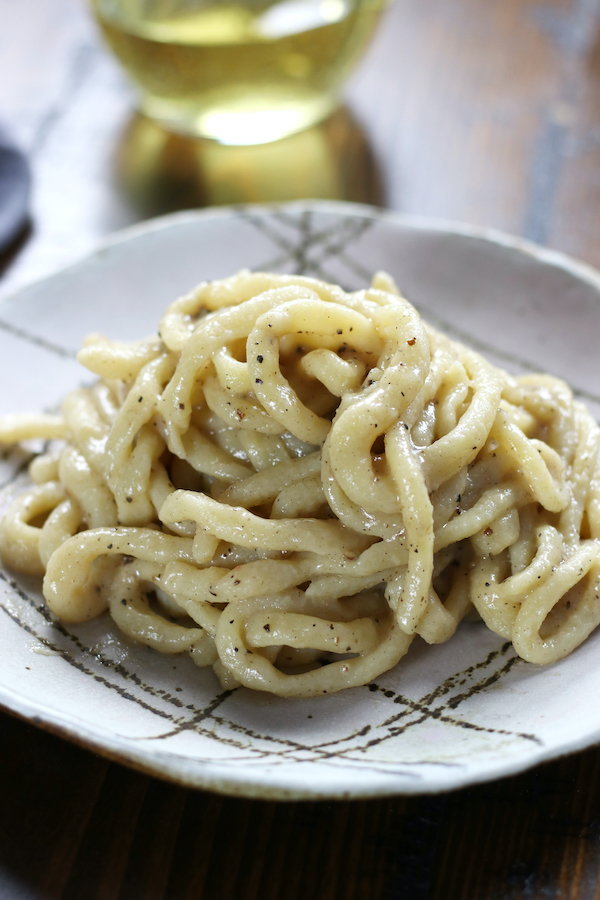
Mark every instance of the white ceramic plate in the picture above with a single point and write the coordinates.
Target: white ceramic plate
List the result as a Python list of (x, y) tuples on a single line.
[(447, 716)]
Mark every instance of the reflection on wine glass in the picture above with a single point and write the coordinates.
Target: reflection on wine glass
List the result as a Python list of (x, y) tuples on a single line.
[(239, 71), (161, 172)]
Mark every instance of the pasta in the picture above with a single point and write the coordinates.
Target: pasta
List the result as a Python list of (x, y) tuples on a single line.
[(291, 482)]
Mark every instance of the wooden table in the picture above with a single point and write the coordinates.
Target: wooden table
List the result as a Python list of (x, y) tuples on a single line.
[(478, 110)]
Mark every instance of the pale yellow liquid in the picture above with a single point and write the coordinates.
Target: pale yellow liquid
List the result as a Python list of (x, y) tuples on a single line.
[(241, 74)]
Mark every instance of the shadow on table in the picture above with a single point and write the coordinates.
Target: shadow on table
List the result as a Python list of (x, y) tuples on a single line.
[(160, 172)]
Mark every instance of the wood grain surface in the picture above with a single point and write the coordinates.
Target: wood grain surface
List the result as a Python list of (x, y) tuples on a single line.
[(480, 110)]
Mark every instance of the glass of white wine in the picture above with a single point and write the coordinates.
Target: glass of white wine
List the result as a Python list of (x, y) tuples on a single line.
[(238, 71)]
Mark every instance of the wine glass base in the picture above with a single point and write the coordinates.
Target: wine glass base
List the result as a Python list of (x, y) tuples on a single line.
[(239, 123)]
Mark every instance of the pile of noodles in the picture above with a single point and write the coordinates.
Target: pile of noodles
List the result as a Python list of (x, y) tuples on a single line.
[(290, 482)]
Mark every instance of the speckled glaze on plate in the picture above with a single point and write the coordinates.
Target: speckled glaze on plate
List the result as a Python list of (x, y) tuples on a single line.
[(447, 716)]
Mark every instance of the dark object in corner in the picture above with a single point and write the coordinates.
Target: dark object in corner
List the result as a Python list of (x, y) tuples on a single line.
[(15, 183)]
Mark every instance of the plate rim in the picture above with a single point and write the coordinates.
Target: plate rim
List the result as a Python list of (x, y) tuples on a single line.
[(190, 777), (423, 223)]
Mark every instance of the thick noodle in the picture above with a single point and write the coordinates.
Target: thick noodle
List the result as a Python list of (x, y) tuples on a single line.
[(291, 482)]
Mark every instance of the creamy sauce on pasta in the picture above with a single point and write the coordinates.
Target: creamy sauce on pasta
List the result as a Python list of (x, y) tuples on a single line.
[(290, 483)]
